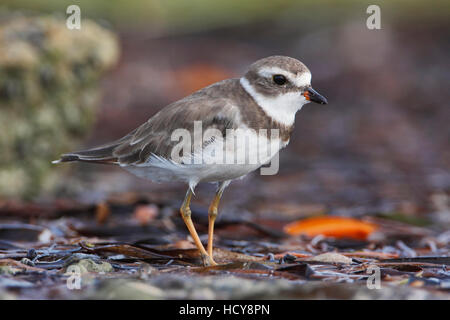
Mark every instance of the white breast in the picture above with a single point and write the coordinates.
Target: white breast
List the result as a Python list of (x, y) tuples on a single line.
[(240, 153)]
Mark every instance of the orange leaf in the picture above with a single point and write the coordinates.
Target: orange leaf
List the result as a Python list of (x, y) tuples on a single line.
[(371, 254), (295, 254), (102, 212), (146, 213), (338, 227), (197, 76)]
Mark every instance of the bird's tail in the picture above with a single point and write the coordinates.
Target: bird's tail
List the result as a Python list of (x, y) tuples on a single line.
[(103, 154)]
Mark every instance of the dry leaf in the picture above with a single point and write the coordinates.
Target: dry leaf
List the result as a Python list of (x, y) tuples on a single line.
[(295, 254), (338, 227), (102, 212), (197, 76), (332, 257), (146, 214)]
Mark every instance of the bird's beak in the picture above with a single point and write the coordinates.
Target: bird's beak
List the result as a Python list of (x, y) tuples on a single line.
[(312, 95)]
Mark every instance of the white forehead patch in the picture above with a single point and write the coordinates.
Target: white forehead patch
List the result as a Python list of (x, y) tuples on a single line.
[(300, 80)]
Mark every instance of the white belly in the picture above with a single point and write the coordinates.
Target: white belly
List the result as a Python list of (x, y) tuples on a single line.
[(221, 160)]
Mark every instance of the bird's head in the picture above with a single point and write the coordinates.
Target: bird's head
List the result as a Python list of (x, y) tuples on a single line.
[(281, 86)]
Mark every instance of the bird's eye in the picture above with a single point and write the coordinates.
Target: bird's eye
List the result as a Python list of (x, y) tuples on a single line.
[(279, 79)]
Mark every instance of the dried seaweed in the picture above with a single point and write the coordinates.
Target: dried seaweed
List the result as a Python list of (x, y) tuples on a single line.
[(43, 253)]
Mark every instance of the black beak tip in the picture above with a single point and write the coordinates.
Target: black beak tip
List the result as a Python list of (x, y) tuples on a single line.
[(316, 97)]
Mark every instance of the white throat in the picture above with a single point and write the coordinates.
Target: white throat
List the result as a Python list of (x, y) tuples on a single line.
[(281, 108)]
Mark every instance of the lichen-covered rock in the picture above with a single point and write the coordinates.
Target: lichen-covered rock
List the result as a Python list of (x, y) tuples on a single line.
[(8, 270), (89, 265), (48, 93)]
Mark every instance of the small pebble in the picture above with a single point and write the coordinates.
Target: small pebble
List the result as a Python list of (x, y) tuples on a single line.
[(31, 254), (27, 262)]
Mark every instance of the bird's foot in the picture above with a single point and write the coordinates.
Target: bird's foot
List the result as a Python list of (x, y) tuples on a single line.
[(208, 261)]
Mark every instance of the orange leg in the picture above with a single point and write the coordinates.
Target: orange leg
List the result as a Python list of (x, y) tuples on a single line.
[(212, 215), (186, 215)]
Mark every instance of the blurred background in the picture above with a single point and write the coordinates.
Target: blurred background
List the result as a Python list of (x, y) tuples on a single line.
[(381, 145)]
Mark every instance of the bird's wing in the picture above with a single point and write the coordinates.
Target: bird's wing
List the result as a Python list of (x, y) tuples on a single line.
[(158, 136), (154, 138)]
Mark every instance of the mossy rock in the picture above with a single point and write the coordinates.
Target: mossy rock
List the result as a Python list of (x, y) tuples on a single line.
[(88, 265), (9, 270), (49, 78)]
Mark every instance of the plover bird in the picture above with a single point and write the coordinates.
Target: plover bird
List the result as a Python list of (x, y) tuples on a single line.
[(173, 145)]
